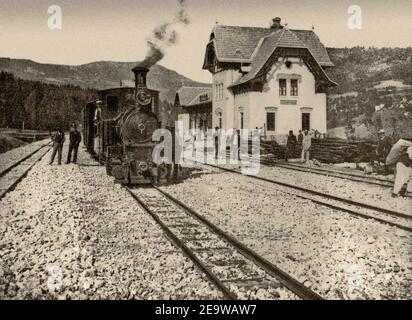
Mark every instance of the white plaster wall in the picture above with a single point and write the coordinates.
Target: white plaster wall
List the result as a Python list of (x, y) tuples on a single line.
[(288, 117), (226, 104)]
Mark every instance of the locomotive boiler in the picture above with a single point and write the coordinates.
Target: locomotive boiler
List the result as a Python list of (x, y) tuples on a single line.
[(118, 131)]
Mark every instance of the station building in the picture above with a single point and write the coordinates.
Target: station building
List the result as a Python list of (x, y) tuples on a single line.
[(194, 105), (270, 78)]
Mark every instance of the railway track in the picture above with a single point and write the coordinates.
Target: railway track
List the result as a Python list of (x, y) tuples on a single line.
[(229, 265), (15, 172), (328, 172), (359, 209), (333, 173)]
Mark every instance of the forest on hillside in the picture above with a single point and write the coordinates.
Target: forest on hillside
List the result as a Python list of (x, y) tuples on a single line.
[(39, 105), (374, 89), (44, 106)]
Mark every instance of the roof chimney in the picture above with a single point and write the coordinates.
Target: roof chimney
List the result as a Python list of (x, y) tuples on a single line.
[(276, 24)]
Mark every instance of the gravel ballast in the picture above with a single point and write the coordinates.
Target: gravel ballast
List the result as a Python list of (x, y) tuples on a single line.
[(332, 252), (69, 232)]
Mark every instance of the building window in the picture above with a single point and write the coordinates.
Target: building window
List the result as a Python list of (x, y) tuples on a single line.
[(241, 120), (219, 91), (271, 121), (294, 87), (220, 119), (305, 121), (282, 87), (112, 103)]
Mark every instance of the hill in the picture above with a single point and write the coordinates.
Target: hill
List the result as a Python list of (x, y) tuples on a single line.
[(97, 75), (39, 105), (374, 92)]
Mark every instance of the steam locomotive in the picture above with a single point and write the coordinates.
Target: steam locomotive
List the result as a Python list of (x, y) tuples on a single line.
[(118, 129)]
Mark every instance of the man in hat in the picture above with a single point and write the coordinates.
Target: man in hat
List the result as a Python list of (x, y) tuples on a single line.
[(383, 148), (75, 139), (291, 143), (98, 112), (58, 141), (216, 138)]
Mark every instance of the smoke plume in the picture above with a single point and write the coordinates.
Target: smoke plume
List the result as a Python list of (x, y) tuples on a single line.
[(164, 35)]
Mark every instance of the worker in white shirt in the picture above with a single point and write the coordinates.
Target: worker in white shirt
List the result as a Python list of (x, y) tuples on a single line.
[(403, 173), (306, 145)]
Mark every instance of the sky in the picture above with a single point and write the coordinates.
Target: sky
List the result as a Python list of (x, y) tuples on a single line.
[(96, 30)]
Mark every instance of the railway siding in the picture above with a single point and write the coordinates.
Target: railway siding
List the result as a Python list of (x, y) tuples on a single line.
[(335, 254), (362, 192)]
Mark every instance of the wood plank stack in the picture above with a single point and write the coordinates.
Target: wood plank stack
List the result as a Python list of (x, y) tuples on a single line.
[(339, 150), (327, 150)]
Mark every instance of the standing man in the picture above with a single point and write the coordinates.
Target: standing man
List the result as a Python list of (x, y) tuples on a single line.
[(75, 139), (300, 137), (290, 145), (306, 145), (216, 138), (383, 148), (403, 173), (58, 141)]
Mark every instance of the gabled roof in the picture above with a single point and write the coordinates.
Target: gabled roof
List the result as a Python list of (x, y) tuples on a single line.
[(237, 44), (202, 98), (318, 50), (283, 38), (228, 39), (188, 95)]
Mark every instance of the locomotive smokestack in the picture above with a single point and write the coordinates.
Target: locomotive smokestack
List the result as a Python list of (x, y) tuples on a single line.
[(142, 94), (140, 74)]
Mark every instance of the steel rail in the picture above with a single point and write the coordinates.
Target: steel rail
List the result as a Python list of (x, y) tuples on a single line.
[(186, 250), (288, 281), (335, 198), (326, 172), (24, 174), (333, 173), (318, 193), (11, 167)]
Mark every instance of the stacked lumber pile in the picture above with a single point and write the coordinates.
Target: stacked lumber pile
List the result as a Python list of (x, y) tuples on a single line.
[(338, 150), (327, 150)]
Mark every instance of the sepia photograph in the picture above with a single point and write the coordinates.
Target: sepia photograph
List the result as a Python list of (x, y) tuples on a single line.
[(218, 152)]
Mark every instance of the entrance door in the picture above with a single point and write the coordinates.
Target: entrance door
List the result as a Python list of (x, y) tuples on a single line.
[(305, 121)]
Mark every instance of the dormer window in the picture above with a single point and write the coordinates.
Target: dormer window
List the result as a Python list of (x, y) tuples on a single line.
[(282, 87)]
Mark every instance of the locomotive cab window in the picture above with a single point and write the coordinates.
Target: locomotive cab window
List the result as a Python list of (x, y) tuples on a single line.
[(112, 103)]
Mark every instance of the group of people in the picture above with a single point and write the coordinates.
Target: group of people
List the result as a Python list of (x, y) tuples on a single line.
[(59, 139), (401, 158), (304, 140)]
